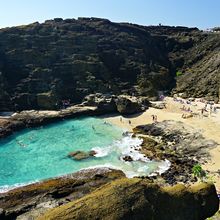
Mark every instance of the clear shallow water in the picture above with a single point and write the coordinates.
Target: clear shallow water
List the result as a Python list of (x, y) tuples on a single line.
[(39, 153)]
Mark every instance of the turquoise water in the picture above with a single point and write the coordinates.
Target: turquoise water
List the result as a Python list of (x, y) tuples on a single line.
[(39, 153)]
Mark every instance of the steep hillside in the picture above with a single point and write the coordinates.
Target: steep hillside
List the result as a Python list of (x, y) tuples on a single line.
[(42, 64), (202, 69)]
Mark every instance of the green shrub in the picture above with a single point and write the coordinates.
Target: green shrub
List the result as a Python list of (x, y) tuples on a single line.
[(178, 73), (198, 172)]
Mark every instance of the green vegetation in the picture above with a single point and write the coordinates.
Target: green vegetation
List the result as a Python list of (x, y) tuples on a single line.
[(198, 172), (179, 73)]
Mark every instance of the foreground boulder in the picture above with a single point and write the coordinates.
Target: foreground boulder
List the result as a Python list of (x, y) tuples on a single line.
[(30, 201), (139, 199)]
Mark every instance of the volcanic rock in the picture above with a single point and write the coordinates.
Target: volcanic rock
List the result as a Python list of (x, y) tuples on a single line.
[(70, 59), (140, 199), (126, 106)]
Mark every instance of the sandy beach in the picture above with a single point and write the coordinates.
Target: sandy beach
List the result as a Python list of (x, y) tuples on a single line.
[(209, 124)]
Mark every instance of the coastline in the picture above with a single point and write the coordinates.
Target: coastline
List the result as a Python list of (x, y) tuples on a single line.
[(209, 127), (178, 175)]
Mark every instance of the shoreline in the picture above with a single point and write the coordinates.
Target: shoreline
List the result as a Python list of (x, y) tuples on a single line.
[(209, 127)]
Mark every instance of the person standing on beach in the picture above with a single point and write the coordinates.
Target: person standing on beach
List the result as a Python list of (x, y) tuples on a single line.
[(129, 122), (153, 118)]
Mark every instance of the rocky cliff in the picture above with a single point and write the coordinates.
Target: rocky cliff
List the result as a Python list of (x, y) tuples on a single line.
[(42, 64)]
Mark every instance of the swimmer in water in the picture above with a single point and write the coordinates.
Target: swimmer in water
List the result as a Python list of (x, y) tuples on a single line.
[(20, 144)]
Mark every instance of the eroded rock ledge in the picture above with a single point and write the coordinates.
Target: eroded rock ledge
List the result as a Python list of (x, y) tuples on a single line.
[(107, 194), (93, 105), (35, 118), (32, 200), (139, 199), (177, 142)]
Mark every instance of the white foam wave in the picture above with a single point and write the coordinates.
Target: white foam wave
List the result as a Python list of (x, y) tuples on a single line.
[(164, 166), (130, 146), (101, 152), (127, 146), (6, 188), (139, 166)]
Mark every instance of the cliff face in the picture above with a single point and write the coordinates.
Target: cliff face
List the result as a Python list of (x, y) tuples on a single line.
[(41, 64), (202, 69)]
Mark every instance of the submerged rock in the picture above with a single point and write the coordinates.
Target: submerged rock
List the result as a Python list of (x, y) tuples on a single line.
[(138, 199), (81, 155)]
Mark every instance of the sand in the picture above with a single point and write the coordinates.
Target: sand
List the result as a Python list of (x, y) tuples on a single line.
[(209, 125)]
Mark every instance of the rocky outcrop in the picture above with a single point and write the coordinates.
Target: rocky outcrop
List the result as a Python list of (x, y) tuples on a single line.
[(35, 118), (94, 104), (177, 142), (30, 201), (81, 155), (141, 200), (106, 102), (121, 104), (179, 137), (127, 158), (43, 64), (126, 106)]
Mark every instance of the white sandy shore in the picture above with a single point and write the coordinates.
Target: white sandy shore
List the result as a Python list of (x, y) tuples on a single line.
[(209, 125)]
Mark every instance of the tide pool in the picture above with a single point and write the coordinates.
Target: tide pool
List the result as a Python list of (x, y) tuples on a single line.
[(40, 153)]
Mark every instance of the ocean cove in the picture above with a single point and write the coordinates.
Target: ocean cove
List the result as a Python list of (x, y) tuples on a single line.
[(39, 153)]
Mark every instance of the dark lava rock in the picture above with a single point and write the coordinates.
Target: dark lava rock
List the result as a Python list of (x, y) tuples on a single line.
[(126, 106), (104, 102), (70, 59), (127, 158)]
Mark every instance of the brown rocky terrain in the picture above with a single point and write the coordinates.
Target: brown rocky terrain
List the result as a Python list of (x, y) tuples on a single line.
[(107, 194), (30, 201), (42, 64), (140, 199)]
